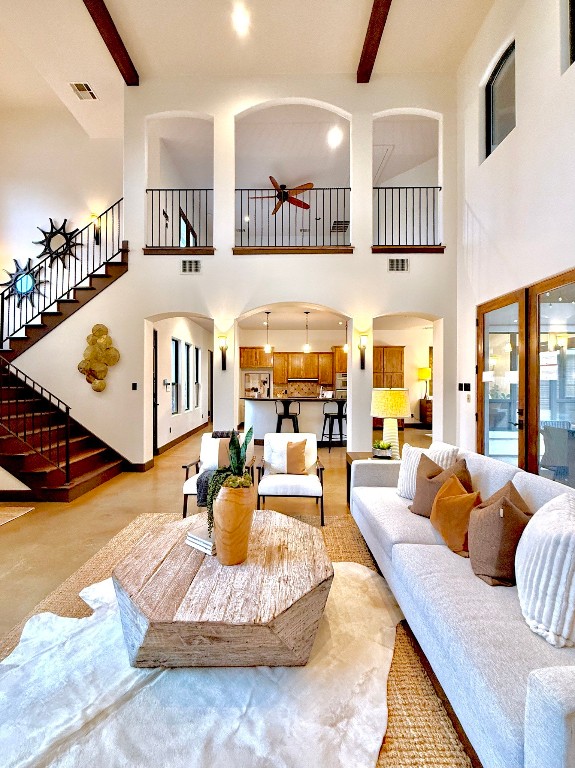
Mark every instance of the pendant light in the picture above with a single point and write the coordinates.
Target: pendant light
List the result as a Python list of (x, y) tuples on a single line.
[(306, 346), (267, 347), (346, 345)]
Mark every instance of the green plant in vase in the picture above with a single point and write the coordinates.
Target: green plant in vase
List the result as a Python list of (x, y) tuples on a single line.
[(381, 448), (234, 475)]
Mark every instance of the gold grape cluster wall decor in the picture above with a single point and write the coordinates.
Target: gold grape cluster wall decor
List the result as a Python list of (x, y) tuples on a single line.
[(98, 356)]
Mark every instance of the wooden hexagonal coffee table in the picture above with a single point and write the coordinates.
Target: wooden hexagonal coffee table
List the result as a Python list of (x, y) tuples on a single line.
[(181, 608)]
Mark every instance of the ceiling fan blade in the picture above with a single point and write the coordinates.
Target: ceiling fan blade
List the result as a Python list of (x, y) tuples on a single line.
[(277, 207), (264, 197), (299, 203), (275, 184), (297, 191), (301, 187)]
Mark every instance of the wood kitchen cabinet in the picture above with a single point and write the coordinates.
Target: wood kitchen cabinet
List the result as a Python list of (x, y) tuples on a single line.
[(326, 369), (255, 357), (388, 367), (339, 360), (302, 366), (280, 368)]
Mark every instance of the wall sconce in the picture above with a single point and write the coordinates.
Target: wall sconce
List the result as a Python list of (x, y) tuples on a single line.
[(95, 219), (223, 345), (362, 346)]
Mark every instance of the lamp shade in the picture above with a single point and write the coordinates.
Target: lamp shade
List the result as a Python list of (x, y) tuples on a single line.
[(390, 403), (424, 374)]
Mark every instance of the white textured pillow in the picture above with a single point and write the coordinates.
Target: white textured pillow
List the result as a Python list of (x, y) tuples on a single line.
[(445, 456), (545, 571)]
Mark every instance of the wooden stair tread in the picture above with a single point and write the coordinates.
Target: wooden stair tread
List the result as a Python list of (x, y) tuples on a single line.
[(74, 459), (93, 473)]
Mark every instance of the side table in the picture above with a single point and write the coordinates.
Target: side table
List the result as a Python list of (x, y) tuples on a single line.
[(350, 458)]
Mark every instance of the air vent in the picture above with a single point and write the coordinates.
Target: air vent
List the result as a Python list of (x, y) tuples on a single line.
[(83, 91), (190, 267), (398, 265), (304, 230), (240, 230), (340, 225)]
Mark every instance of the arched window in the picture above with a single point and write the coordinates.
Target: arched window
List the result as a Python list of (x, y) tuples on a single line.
[(500, 100)]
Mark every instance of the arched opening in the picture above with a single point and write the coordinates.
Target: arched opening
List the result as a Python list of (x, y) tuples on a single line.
[(181, 373), (407, 180), (306, 203), (403, 358), (179, 184)]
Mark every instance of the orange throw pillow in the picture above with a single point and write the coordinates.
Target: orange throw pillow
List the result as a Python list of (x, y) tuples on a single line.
[(295, 458), (450, 514)]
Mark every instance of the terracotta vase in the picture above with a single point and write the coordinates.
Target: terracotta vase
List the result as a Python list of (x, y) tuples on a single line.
[(233, 512)]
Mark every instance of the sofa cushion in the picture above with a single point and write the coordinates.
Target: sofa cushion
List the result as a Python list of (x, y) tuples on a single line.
[(510, 492), (537, 491), (545, 567), (450, 514), (442, 454), (487, 474), (390, 520), (494, 533), (430, 478), (477, 643)]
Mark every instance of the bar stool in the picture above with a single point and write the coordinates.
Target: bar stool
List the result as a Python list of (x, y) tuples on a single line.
[(331, 415), (287, 409)]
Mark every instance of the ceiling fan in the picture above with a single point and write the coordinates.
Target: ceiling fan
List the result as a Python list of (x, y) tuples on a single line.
[(284, 194)]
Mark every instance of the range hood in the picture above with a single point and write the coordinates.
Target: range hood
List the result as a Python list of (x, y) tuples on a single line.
[(301, 378)]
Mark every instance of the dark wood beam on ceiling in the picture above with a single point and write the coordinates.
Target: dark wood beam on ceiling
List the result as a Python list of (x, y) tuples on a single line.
[(110, 35), (372, 40)]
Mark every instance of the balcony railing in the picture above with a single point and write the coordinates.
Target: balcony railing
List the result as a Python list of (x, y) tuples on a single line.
[(179, 218), (406, 216), (324, 224)]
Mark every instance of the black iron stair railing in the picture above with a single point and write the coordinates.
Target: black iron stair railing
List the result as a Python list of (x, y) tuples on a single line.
[(56, 275), (179, 218), (48, 427)]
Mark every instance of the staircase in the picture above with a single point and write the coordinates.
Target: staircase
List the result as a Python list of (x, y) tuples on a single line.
[(54, 455), (43, 447)]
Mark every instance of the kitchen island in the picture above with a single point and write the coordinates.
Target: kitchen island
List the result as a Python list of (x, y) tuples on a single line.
[(260, 413)]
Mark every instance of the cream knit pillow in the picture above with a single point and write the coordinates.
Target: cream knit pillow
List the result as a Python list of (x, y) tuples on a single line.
[(444, 455), (545, 571)]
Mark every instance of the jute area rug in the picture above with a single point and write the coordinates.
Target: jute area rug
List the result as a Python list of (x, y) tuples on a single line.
[(11, 513), (419, 731)]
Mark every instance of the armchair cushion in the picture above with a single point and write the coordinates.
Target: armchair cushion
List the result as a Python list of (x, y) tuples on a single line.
[(289, 485), (277, 441), (214, 451), (288, 458)]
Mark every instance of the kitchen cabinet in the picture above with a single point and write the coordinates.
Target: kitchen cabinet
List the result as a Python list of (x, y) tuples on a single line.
[(302, 366), (326, 369), (388, 367), (255, 357), (280, 368), (339, 360)]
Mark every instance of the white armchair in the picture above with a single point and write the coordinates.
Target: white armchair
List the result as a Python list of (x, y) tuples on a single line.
[(275, 481), (208, 459)]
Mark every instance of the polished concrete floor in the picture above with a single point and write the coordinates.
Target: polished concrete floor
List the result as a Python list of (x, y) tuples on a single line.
[(39, 550)]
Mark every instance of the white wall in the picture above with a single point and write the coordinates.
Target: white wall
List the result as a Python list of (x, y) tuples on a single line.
[(358, 285), (171, 426), (516, 207), (292, 341), (424, 175), (50, 168)]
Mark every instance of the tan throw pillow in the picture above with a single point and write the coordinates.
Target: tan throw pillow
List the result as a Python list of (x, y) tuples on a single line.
[(430, 478), (494, 533), (450, 514), (509, 492), (223, 452), (295, 458)]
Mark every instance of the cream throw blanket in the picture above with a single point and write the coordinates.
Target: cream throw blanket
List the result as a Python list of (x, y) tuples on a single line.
[(69, 698)]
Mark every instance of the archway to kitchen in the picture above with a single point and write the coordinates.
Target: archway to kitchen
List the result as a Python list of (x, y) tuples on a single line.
[(288, 370)]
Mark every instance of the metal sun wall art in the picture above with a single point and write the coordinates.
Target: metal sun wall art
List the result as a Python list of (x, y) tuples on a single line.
[(24, 283), (99, 355)]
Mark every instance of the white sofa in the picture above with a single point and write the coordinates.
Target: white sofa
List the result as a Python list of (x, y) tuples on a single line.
[(513, 693)]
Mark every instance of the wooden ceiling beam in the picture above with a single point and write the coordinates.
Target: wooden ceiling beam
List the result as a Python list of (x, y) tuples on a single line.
[(110, 35), (372, 40)]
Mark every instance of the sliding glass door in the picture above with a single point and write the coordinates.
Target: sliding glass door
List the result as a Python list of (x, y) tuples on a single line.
[(501, 379), (552, 378)]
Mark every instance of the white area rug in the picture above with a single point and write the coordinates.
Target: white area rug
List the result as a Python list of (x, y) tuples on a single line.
[(69, 698)]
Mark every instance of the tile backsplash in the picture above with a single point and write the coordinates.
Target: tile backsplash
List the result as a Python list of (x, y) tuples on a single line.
[(297, 389)]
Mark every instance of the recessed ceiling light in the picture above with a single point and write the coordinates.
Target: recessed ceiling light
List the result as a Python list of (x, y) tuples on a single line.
[(334, 137), (241, 19), (341, 322), (246, 218)]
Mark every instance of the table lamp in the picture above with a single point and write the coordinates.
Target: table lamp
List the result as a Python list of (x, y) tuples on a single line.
[(390, 405), (424, 374)]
